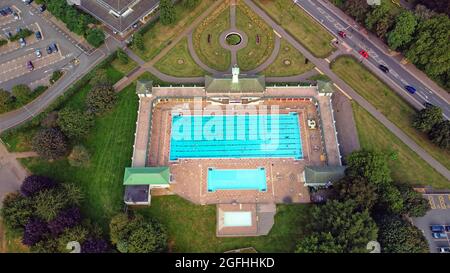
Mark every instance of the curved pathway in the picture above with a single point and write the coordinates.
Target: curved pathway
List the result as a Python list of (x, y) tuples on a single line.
[(297, 78), (172, 79), (270, 60), (197, 59)]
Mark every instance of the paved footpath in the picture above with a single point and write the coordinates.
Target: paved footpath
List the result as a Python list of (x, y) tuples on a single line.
[(11, 173), (325, 68)]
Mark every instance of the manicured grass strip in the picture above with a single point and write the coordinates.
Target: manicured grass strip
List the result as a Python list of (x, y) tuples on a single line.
[(192, 228), (212, 53), (387, 102), (179, 63), (261, 39), (157, 36), (290, 62), (111, 146), (300, 25), (409, 167)]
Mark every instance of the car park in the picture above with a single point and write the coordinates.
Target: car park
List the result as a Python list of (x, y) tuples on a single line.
[(443, 249), (38, 53), (437, 228), (6, 11), (383, 68), (49, 50), (16, 16), (410, 89), (447, 228), (38, 35), (439, 235), (54, 47), (22, 42), (364, 54), (30, 66), (42, 8)]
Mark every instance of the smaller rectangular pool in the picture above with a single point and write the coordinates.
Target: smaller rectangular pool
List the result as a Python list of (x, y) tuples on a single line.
[(237, 219), (237, 179)]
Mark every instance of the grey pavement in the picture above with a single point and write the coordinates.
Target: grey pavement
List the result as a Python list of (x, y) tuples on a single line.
[(357, 38), (11, 173), (324, 67)]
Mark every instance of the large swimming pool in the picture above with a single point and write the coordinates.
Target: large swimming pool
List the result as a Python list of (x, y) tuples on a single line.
[(236, 136)]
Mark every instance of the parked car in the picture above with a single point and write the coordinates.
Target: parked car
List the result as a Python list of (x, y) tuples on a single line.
[(364, 54), (444, 249), (54, 47), (439, 235), (38, 35), (49, 50), (30, 66), (342, 34), (410, 89), (383, 68), (22, 42), (38, 53), (5, 11), (447, 228), (16, 16), (427, 104), (27, 2), (42, 8), (437, 228)]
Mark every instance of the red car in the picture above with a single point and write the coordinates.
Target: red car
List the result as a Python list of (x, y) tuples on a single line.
[(364, 54), (30, 66), (342, 34)]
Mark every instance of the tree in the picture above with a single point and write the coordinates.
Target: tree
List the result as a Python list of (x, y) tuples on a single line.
[(440, 6), (402, 34), (50, 120), (371, 165), (440, 134), (379, 20), (190, 3), (414, 205), (357, 189), (35, 230), (137, 235), (138, 41), (351, 229), (95, 37), (167, 12), (50, 143), (426, 118), (430, 49), (34, 184), (101, 99), (67, 218), (16, 211), (79, 157), (74, 123), (423, 13), (356, 8), (122, 56), (390, 199), (5, 101), (22, 93), (399, 236), (322, 242)]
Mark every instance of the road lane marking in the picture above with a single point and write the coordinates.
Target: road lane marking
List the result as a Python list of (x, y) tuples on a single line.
[(442, 202)]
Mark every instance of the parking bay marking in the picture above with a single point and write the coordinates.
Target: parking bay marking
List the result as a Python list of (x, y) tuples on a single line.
[(431, 201)]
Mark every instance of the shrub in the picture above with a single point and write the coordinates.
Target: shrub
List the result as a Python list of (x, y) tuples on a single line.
[(50, 143), (79, 157), (100, 77), (122, 56), (50, 120), (94, 245), (5, 101), (36, 183), (3, 42), (65, 219), (22, 93), (440, 134), (56, 75)]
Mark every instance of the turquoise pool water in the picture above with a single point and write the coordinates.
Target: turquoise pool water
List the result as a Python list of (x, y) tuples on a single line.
[(240, 179), (237, 219), (236, 136)]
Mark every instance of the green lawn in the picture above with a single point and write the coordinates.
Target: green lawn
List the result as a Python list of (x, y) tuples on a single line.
[(254, 53), (179, 63), (300, 25), (213, 54), (124, 68), (157, 36), (387, 102), (290, 62), (111, 146), (192, 228), (409, 167)]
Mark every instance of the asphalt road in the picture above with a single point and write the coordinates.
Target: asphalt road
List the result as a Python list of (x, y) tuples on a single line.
[(73, 72), (398, 76)]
